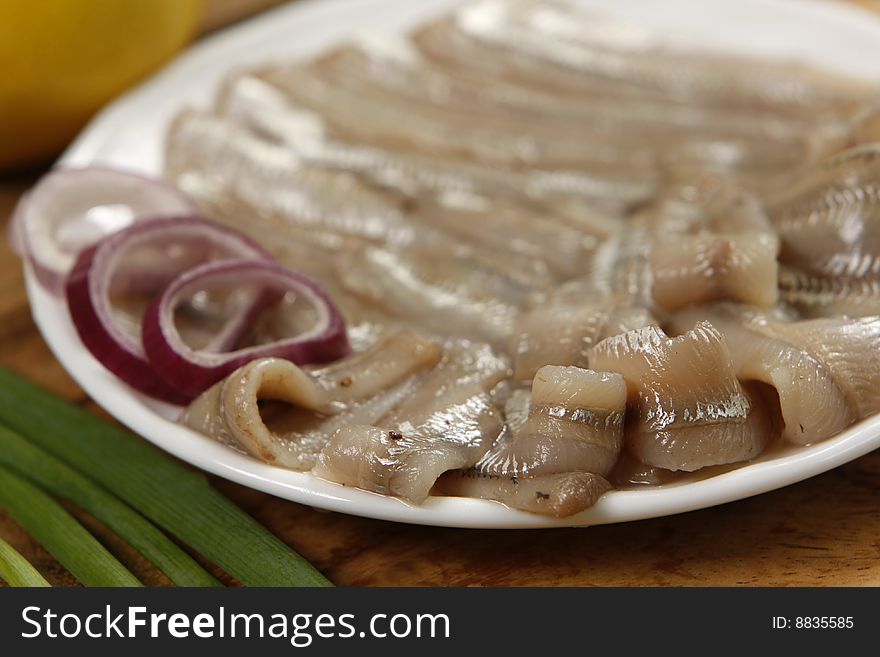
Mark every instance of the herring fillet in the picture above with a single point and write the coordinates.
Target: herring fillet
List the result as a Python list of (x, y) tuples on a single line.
[(688, 409)]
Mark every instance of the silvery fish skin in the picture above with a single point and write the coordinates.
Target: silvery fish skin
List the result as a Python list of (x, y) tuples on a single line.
[(267, 110), (448, 423), (444, 294), (566, 248), (402, 75), (402, 120), (817, 295), (311, 404), (710, 241), (401, 124), (698, 242), (566, 45), (278, 184), (396, 64), (562, 333), (574, 424), (790, 357), (688, 410), (829, 226)]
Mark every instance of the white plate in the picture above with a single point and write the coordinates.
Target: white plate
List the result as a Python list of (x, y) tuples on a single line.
[(130, 132)]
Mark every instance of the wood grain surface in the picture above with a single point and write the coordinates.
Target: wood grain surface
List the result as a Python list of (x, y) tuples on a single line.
[(824, 531)]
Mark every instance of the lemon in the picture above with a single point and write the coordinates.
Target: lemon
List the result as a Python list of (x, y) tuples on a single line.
[(60, 60)]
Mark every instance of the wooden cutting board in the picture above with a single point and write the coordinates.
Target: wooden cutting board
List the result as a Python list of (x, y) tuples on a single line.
[(823, 531)]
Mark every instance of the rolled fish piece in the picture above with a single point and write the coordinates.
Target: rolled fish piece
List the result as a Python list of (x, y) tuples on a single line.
[(824, 371), (850, 348), (687, 408), (829, 226), (574, 424), (284, 414), (701, 241), (562, 333), (711, 241), (447, 423), (701, 268), (558, 442), (812, 405)]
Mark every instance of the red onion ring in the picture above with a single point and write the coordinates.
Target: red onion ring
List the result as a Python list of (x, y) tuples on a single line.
[(102, 268), (192, 371), (71, 209)]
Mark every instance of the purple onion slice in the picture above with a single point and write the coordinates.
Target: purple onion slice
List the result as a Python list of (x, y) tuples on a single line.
[(113, 282), (322, 337), (68, 210)]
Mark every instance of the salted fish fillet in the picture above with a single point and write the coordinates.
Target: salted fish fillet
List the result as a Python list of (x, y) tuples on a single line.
[(209, 156), (791, 100), (396, 123), (212, 156), (417, 125), (277, 183), (829, 226), (565, 248), (687, 408), (309, 405), (270, 112), (447, 424), (585, 49), (812, 404), (444, 294), (574, 424), (559, 440), (394, 63), (562, 332), (366, 70), (711, 240), (664, 259)]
